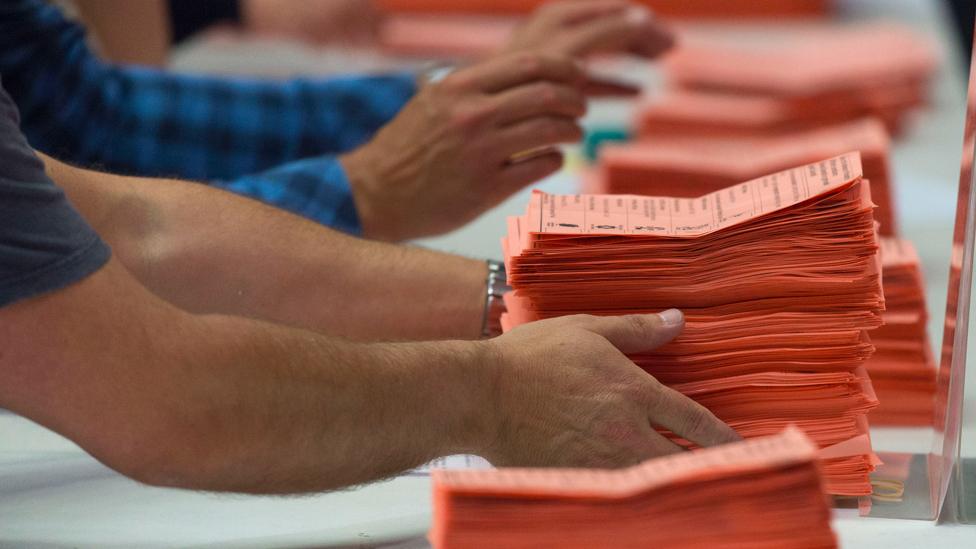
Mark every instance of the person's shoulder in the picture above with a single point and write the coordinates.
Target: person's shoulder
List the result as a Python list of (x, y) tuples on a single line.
[(18, 163)]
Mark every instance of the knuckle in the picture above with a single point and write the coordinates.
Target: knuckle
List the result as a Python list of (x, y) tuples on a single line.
[(454, 82), (574, 102), (531, 64), (568, 65), (637, 323), (569, 130), (653, 394), (470, 116), (549, 131), (547, 95), (620, 431), (553, 130), (697, 421), (580, 319)]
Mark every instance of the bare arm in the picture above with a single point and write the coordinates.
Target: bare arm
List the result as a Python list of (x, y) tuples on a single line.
[(224, 403), (143, 39), (210, 251)]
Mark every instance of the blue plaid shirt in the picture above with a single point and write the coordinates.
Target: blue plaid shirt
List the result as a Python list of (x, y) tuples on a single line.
[(268, 140)]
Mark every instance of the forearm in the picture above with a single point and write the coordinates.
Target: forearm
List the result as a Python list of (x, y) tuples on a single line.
[(230, 404), (143, 39), (209, 251)]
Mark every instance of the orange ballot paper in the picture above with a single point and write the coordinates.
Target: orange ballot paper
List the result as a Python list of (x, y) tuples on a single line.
[(832, 72), (779, 279), (760, 493), (691, 166), (446, 34), (903, 370)]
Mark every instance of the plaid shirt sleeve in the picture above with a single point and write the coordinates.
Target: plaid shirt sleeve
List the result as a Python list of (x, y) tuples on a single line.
[(245, 135)]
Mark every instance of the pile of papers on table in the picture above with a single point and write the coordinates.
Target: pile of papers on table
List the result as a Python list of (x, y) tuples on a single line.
[(810, 77), (902, 369), (760, 493), (690, 166), (779, 279)]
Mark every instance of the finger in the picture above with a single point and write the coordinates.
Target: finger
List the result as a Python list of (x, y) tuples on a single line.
[(537, 133), (638, 333), (634, 31), (686, 418), (596, 86), (517, 175), (643, 444), (517, 69), (653, 39), (655, 445), (539, 99)]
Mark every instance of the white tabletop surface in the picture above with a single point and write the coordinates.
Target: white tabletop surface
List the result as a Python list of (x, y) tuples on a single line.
[(53, 495)]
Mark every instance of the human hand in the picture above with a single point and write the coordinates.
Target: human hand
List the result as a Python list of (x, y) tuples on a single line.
[(457, 148), (567, 395), (581, 27)]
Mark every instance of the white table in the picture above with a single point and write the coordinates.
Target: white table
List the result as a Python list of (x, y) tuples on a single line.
[(53, 495)]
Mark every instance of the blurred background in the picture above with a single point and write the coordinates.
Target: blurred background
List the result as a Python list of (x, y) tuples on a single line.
[(751, 88)]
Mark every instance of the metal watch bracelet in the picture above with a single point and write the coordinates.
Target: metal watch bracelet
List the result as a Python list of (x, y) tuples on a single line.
[(496, 287)]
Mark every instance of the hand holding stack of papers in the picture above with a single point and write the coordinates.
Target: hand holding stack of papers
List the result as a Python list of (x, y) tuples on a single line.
[(760, 493), (779, 279), (902, 370), (693, 166)]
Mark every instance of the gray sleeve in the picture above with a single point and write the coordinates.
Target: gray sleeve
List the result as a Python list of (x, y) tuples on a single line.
[(45, 244)]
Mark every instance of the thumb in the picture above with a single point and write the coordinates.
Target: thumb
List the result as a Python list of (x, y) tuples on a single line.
[(639, 333)]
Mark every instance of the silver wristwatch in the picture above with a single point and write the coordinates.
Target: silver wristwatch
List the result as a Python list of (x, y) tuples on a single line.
[(496, 287)]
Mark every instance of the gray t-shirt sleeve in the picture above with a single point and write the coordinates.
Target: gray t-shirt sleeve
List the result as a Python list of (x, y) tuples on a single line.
[(45, 244)]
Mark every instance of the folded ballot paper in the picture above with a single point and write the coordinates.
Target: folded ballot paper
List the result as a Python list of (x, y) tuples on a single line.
[(445, 35), (760, 493), (703, 113), (779, 279), (692, 166), (902, 369), (818, 73)]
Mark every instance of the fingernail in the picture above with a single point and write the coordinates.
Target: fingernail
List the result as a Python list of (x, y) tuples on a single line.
[(638, 15), (672, 317)]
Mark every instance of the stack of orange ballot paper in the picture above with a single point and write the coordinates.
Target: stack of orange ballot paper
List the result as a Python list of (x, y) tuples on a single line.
[(817, 74), (779, 279), (902, 370), (693, 166), (760, 493)]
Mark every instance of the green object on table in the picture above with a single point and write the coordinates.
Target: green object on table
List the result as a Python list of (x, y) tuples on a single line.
[(598, 137)]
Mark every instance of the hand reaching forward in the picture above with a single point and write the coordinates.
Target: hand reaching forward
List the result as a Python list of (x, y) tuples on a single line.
[(454, 150), (582, 27), (567, 395)]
